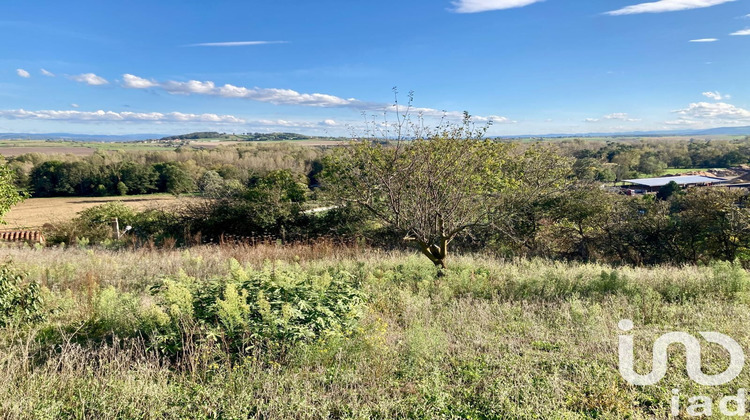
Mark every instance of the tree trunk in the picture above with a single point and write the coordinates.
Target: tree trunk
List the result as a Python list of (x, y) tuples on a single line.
[(436, 253)]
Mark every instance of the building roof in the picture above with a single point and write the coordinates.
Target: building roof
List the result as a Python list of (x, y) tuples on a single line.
[(680, 180)]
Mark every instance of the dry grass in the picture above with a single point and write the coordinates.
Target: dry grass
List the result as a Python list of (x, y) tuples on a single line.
[(520, 339), (35, 212)]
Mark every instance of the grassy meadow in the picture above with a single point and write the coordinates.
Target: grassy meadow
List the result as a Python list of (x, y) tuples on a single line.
[(128, 334)]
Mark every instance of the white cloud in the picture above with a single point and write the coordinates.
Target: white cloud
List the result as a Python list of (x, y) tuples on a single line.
[(704, 40), (716, 95), (235, 43), (112, 116), (666, 6), (622, 116), (273, 96), (476, 6), (90, 79), (286, 97), (329, 123), (618, 116), (74, 105), (135, 82), (290, 124), (712, 114), (495, 119), (23, 73), (47, 73), (741, 32)]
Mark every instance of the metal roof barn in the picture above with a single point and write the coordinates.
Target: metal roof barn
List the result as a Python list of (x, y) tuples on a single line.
[(680, 180)]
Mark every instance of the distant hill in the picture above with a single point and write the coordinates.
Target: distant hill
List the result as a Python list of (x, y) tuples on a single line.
[(79, 137), (718, 131), (734, 131), (728, 131), (213, 135)]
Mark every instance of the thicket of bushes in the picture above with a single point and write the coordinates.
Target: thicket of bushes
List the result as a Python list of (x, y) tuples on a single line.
[(261, 311), (584, 223)]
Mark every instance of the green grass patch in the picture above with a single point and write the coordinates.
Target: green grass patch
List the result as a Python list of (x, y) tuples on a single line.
[(270, 332)]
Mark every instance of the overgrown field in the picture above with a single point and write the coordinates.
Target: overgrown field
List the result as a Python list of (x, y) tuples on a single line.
[(323, 331)]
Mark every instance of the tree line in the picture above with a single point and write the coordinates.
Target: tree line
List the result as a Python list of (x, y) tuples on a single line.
[(183, 170), (451, 190)]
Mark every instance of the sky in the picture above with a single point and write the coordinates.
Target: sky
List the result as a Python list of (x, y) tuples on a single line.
[(328, 67)]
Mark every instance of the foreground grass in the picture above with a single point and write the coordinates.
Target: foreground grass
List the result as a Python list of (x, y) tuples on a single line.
[(491, 339)]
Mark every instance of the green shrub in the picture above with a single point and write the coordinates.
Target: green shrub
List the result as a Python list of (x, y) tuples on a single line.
[(275, 307), (93, 225), (104, 214), (19, 300)]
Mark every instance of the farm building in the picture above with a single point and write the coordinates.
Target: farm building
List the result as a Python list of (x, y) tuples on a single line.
[(653, 184)]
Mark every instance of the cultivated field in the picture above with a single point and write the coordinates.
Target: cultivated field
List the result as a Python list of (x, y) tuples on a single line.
[(16, 148), (19, 147), (10, 148), (35, 212)]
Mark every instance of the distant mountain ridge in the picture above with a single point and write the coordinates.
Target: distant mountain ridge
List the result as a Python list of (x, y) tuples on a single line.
[(240, 137), (718, 131), (80, 137), (731, 131)]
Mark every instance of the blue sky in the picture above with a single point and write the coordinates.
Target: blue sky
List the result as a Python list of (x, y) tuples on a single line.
[(532, 67)]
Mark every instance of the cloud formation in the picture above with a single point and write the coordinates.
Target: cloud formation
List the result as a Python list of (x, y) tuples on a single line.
[(112, 116), (273, 96), (46, 73), (615, 116), (235, 43), (621, 116), (662, 6), (476, 6), (90, 79), (287, 97), (716, 95), (23, 73), (495, 119), (293, 124), (135, 82), (711, 114), (704, 40), (742, 32)]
